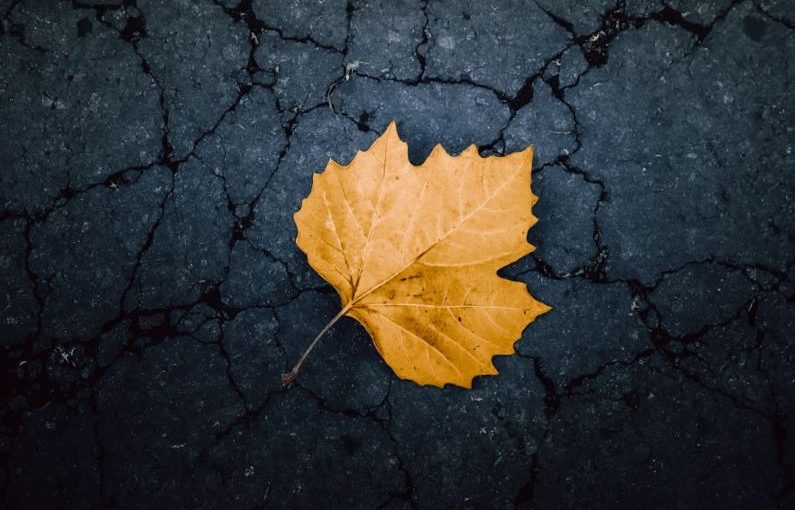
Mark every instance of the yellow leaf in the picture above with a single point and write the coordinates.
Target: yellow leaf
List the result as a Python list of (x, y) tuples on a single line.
[(413, 252)]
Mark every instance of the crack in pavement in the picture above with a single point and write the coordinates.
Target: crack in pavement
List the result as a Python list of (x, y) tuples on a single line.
[(145, 328)]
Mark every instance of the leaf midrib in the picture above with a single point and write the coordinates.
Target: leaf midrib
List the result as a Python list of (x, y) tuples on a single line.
[(355, 300)]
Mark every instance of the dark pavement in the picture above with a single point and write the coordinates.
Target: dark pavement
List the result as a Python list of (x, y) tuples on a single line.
[(152, 154)]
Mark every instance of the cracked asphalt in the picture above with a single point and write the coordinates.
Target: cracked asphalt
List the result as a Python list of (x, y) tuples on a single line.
[(153, 153)]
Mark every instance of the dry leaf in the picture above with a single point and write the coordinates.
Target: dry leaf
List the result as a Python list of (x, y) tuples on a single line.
[(413, 252)]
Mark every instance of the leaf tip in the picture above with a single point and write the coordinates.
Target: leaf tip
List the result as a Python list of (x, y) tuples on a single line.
[(472, 150), (438, 150), (391, 131), (529, 153)]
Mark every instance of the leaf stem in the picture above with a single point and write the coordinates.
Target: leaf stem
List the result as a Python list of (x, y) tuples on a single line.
[(290, 376)]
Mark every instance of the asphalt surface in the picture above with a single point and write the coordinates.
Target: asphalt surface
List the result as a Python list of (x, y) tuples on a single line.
[(152, 155)]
